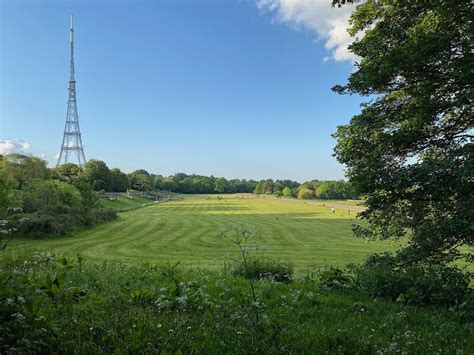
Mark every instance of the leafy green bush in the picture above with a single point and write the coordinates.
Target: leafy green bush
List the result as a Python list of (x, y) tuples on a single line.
[(259, 268), (37, 225), (97, 216), (465, 310), (277, 193), (421, 286), (55, 208), (52, 197), (335, 279)]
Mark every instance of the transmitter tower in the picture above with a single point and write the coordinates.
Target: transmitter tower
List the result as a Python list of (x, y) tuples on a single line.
[(72, 141)]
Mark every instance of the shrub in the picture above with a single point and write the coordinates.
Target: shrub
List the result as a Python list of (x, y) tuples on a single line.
[(37, 225), (335, 279), (421, 286), (287, 192), (278, 193), (52, 197), (305, 193), (466, 309), (259, 268), (96, 216), (55, 208)]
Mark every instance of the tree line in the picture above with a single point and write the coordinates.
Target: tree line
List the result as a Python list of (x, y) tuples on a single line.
[(98, 174), (58, 200)]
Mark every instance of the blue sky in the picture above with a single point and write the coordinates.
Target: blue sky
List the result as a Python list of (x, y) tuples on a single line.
[(239, 89)]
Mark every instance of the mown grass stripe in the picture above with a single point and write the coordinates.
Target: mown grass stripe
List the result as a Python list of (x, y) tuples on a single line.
[(304, 234)]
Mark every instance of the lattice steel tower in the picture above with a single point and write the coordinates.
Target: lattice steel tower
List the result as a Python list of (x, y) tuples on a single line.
[(72, 141)]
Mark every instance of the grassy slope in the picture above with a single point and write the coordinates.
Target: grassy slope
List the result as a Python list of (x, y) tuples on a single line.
[(123, 203), (304, 234), (69, 307)]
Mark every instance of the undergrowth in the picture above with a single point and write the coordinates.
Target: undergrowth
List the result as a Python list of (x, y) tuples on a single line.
[(50, 304)]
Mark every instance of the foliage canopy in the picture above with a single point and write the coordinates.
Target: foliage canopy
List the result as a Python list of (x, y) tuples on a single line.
[(410, 150)]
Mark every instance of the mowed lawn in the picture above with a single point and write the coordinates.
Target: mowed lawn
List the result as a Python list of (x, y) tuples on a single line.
[(189, 231)]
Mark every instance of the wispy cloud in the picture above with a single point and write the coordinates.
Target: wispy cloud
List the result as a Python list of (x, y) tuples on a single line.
[(318, 16), (14, 146)]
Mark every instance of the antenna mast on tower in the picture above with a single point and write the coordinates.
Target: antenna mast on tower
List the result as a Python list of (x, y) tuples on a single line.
[(72, 141)]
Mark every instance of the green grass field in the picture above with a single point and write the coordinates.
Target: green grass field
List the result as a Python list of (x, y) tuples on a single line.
[(123, 203), (307, 235), (80, 305)]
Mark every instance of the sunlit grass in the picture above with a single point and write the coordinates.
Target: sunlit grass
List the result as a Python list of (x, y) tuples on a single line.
[(304, 234)]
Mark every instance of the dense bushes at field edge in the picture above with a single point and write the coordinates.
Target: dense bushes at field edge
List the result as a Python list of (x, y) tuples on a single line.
[(33, 204)]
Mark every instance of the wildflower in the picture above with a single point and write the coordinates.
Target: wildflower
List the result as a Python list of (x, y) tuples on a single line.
[(392, 346), (19, 316)]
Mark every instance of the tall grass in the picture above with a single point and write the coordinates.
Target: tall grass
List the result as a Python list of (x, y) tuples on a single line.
[(50, 304)]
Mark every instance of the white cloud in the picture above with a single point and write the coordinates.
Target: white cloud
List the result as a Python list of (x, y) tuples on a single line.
[(318, 16), (14, 146), (56, 156)]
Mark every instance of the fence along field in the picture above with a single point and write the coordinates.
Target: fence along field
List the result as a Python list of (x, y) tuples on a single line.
[(303, 233)]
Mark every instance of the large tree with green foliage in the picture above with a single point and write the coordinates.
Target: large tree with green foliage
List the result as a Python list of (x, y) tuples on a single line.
[(68, 172), (287, 192), (305, 193), (98, 175), (140, 180), (410, 150), (89, 198), (220, 185), (23, 169), (120, 180)]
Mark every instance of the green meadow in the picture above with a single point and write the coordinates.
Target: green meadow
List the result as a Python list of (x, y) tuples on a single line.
[(307, 234), (122, 203)]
